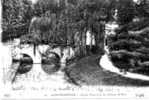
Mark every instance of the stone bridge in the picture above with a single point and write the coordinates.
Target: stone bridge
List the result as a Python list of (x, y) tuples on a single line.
[(30, 51), (36, 70), (66, 53)]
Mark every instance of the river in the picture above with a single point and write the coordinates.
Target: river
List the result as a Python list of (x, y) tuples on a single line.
[(32, 77)]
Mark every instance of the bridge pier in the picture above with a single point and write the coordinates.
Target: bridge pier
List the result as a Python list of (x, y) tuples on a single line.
[(36, 73)]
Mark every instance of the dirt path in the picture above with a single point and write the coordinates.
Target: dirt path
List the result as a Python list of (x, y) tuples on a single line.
[(88, 72), (107, 64)]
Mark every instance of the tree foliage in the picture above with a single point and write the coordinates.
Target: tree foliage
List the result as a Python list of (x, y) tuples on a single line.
[(126, 11), (129, 46), (16, 18), (70, 18)]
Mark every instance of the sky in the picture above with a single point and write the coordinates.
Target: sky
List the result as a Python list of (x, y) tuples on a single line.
[(34, 1)]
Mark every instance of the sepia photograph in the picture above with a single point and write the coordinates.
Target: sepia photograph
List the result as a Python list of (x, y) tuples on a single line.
[(74, 49)]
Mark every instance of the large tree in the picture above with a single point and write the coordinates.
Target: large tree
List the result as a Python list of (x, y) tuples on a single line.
[(71, 18), (129, 46), (16, 18)]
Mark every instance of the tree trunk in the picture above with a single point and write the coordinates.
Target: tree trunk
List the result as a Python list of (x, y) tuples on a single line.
[(34, 47), (84, 41)]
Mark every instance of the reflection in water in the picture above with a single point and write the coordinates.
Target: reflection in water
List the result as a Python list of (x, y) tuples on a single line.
[(50, 63), (25, 64), (24, 69)]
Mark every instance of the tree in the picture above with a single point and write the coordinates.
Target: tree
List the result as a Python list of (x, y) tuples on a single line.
[(126, 11), (129, 46), (16, 18), (69, 19), (142, 9), (54, 6)]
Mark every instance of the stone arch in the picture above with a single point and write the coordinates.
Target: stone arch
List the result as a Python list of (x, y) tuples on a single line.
[(24, 53), (50, 62), (25, 64), (56, 55), (29, 51)]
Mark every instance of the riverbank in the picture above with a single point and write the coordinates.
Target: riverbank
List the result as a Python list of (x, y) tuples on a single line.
[(107, 65), (89, 72)]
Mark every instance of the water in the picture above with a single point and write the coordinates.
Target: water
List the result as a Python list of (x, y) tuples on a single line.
[(6, 59), (26, 81)]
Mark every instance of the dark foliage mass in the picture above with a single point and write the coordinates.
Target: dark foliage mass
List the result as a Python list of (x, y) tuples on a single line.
[(68, 18), (16, 18), (129, 48)]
